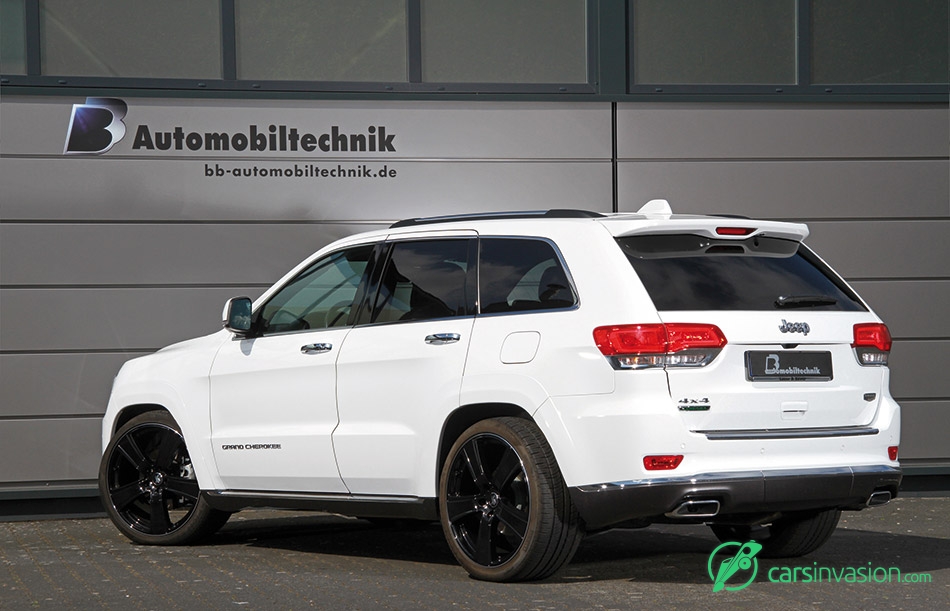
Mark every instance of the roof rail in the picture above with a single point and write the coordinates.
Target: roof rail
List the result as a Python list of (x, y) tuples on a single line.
[(558, 213)]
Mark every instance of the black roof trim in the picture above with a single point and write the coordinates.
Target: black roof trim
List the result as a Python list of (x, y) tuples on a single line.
[(557, 213)]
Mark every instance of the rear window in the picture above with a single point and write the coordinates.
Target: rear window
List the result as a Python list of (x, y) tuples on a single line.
[(691, 272)]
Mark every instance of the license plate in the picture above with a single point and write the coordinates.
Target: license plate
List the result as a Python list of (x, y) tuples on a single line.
[(788, 366)]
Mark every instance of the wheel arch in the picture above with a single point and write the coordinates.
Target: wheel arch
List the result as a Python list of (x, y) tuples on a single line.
[(464, 417), (131, 411)]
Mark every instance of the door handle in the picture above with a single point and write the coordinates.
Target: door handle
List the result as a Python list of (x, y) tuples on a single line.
[(438, 339), (315, 348)]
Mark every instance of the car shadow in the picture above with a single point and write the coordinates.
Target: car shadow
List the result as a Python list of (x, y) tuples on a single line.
[(661, 556), (658, 554)]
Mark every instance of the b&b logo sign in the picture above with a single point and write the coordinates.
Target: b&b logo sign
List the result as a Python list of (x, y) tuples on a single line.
[(96, 126)]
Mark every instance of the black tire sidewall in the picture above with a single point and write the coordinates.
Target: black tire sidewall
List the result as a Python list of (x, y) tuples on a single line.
[(524, 563), (198, 523)]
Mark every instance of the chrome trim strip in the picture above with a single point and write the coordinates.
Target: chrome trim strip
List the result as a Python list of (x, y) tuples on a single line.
[(714, 478), (846, 431), (304, 496)]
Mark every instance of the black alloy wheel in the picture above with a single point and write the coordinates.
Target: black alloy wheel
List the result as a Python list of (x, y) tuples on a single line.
[(505, 510), (148, 484), (487, 500)]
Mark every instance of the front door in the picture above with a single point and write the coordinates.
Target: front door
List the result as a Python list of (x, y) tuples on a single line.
[(273, 394)]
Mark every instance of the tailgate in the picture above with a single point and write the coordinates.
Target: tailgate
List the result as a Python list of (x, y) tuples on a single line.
[(765, 378)]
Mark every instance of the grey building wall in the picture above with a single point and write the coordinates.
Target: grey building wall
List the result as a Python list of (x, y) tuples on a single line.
[(106, 257), (871, 181)]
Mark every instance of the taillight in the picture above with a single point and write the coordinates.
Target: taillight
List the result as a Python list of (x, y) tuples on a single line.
[(663, 462), (892, 452), (659, 345), (872, 343)]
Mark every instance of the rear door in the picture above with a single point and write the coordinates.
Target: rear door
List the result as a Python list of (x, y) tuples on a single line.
[(399, 372), (789, 323)]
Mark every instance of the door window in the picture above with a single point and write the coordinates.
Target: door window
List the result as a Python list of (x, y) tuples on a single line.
[(425, 280), (322, 296)]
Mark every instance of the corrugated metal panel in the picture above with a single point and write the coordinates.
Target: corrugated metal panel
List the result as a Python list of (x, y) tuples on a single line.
[(159, 254), (780, 131), (791, 189), (58, 384)]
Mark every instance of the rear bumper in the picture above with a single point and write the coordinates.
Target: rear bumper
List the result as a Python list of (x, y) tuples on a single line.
[(746, 492)]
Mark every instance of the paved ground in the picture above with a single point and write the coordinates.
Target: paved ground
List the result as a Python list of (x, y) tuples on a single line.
[(277, 560)]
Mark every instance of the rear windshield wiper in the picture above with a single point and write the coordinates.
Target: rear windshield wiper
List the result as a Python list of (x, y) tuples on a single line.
[(804, 301)]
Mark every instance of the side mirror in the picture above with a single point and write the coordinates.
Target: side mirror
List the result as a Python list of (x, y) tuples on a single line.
[(236, 317)]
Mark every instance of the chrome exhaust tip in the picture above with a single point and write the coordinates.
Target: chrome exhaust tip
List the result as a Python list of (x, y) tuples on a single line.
[(696, 509), (881, 497)]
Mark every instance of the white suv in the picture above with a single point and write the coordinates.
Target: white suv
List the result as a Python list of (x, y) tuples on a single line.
[(523, 378)]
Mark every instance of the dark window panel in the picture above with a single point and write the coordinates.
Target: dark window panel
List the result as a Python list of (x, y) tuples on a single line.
[(880, 41), (521, 275), (499, 41), (322, 40), (725, 42), (131, 38), (12, 37)]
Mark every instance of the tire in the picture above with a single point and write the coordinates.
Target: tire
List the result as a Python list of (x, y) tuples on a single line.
[(148, 486), (788, 537), (504, 508)]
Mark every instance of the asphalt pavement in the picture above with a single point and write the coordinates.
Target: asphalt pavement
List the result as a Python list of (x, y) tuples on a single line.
[(265, 559)]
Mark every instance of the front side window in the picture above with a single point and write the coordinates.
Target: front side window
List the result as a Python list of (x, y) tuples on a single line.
[(321, 297), (426, 280), (519, 275)]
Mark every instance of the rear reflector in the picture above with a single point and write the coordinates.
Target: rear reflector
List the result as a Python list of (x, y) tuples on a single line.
[(872, 343), (663, 462), (892, 452)]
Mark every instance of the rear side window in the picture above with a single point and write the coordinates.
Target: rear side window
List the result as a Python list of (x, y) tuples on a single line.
[(690, 272), (425, 280), (520, 275)]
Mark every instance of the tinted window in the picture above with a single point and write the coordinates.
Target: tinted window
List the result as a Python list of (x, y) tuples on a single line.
[(12, 37), (688, 272), (879, 41), (425, 280), (321, 40), (320, 297), (135, 38), (517, 275), (715, 41), (498, 41)]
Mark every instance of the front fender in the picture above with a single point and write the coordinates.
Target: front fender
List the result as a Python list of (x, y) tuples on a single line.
[(175, 379)]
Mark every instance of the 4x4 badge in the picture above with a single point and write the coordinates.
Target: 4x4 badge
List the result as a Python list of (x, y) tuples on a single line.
[(794, 327), (687, 404)]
